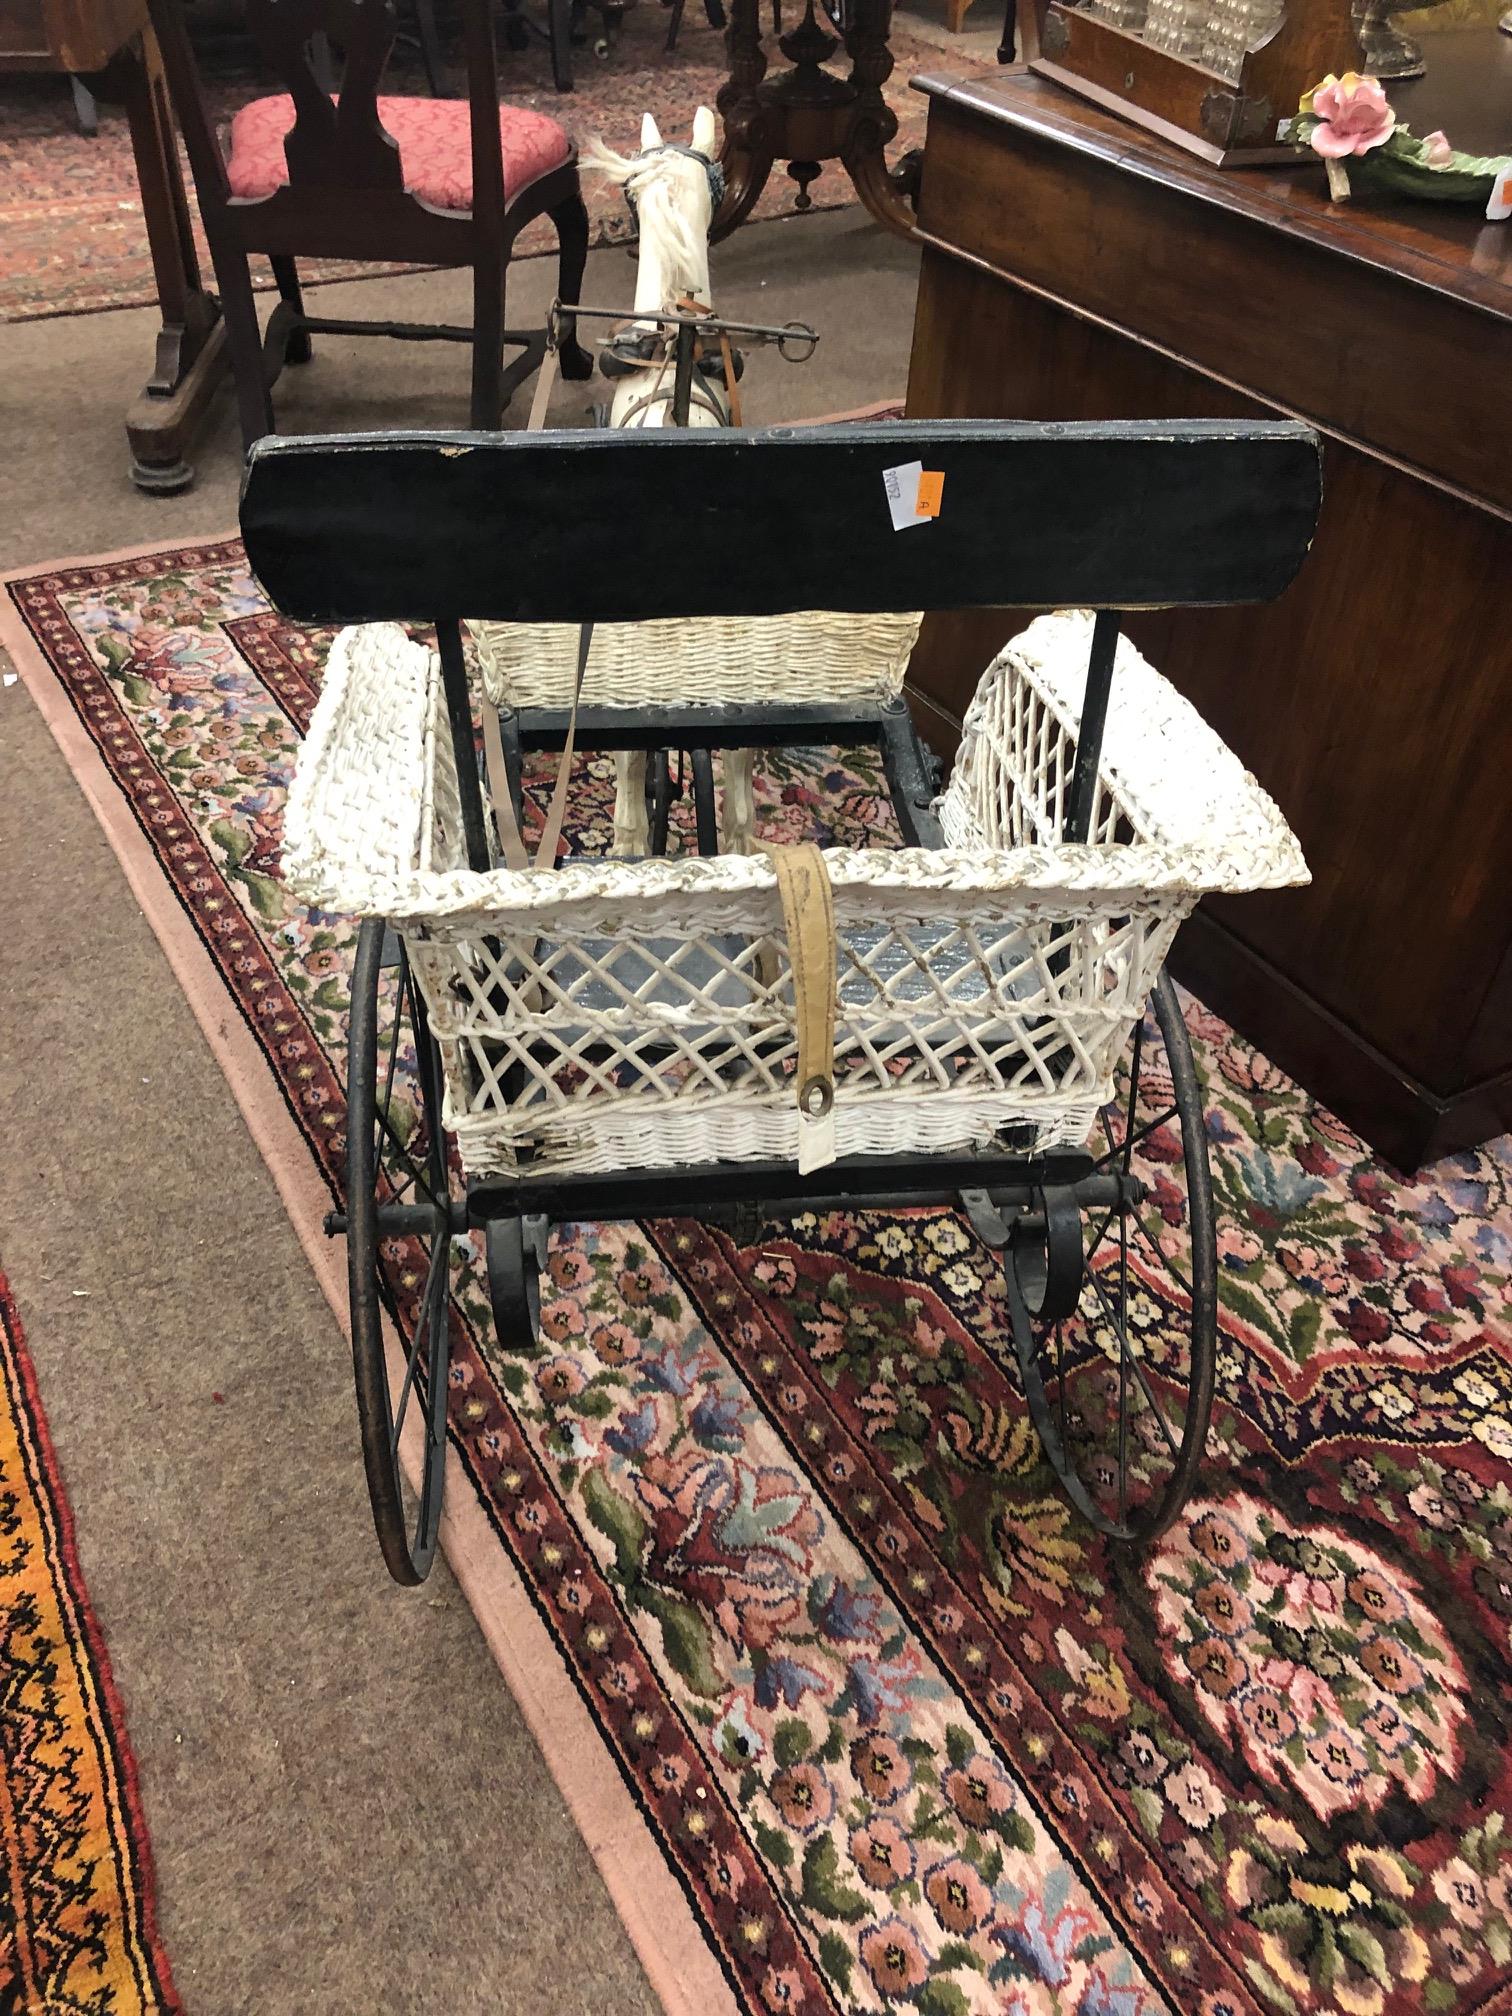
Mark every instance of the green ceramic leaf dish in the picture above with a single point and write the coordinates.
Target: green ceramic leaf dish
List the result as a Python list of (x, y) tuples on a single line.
[(1400, 166)]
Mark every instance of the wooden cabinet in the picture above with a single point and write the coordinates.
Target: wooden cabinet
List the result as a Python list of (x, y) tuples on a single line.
[(77, 35), (1078, 269)]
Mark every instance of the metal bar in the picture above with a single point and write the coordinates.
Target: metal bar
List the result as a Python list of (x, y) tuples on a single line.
[(713, 1188), (737, 727), (708, 325), (910, 782), (410, 332), (464, 748), (704, 811), (682, 377), (514, 768), (1094, 717), (400, 1221)]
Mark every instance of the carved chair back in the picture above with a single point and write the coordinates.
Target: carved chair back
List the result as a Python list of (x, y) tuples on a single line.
[(345, 196)]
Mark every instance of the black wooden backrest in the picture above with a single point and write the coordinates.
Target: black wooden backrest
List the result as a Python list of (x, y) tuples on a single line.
[(626, 524)]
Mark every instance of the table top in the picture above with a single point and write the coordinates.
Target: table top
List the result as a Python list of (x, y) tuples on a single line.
[(77, 35), (1445, 247)]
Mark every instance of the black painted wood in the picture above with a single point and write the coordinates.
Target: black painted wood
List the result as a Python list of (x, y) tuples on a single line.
[(621, 525)]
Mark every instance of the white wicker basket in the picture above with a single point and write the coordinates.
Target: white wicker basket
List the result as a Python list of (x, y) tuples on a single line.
[(639, 1014)]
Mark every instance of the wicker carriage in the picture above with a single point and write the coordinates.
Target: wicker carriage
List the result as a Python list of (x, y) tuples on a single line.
[(602, 1036)]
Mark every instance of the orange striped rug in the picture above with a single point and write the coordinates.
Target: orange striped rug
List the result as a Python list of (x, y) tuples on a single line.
[(77, 1926)]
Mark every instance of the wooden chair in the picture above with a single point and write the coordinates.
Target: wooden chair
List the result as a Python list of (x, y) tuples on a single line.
[(352, 175)]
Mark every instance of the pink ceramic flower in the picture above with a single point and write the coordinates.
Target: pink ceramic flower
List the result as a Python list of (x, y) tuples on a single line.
[(1352, 113), (1436, 150)]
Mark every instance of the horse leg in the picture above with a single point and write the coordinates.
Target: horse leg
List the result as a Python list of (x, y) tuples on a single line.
[(632, 829), (738, 813)]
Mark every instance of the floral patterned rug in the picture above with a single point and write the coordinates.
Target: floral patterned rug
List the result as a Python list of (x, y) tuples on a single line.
[(889, 1727), (72, 239), (77, 1924)]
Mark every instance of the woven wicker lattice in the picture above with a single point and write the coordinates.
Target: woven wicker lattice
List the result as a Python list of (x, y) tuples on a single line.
[(615, 1014), (813, 655)]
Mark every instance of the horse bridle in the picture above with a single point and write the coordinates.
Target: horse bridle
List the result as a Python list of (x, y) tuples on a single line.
[(713, 169)]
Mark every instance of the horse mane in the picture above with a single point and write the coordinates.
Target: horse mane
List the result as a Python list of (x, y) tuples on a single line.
[(652, 190)]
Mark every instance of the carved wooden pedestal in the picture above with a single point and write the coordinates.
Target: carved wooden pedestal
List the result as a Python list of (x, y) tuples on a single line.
[(807, 115)]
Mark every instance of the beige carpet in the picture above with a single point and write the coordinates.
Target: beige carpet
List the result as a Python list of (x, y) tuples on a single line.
[(346, 1810)]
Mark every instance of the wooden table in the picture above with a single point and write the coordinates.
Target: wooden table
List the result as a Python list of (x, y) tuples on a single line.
[(111, 44), (1075, 268)]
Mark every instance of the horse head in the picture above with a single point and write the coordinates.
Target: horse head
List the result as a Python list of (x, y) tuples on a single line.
[(673, 191)]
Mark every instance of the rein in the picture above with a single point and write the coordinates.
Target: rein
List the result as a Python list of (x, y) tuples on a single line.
[(701, 391)]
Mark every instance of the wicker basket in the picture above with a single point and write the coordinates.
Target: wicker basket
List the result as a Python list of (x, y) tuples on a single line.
[(814, 655), (639, 1014)]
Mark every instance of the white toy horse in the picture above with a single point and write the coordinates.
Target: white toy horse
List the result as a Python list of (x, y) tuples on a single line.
[(673, 191)]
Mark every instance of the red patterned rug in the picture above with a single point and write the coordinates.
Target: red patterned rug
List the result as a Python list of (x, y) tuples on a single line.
[(72, 238), (77, 1927), (855, 1714)]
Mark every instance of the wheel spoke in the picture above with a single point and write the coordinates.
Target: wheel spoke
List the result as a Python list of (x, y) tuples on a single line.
[(1139, 1372), (423, 1322), (415, 1172), (1134, 1063), (1123, 1368), (1175, 1272), (1060, 1374), (1127, 1146)]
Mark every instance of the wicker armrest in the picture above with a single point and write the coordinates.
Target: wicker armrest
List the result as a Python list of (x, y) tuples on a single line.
[(1165, 778), (359, 803)]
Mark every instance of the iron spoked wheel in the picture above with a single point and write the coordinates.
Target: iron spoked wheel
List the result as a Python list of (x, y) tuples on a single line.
[(1115, 1310), (399, 1245)]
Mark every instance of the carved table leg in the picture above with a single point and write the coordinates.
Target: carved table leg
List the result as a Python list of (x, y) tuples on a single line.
[(748, 152), (807, 115), (886, 192), (191, 342)]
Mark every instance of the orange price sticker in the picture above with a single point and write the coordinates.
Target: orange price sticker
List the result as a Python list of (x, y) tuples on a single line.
[(931, 487)]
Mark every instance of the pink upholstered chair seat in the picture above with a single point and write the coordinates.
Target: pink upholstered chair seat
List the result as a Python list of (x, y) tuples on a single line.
[(434, 137)]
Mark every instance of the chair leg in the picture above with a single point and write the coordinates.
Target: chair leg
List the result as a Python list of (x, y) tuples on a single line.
[(571, 220), (430, 48), (298, 349), (559, 23), (86, 111), (488, 342), (254, 403)]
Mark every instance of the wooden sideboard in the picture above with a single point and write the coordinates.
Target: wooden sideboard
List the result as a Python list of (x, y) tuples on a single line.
[(1076, 268)]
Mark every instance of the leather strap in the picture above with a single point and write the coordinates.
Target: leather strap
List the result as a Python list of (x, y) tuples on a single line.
[(506, 823), (545, 379), (511, 840), (808, 919), (731, 377), (556, 811)]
